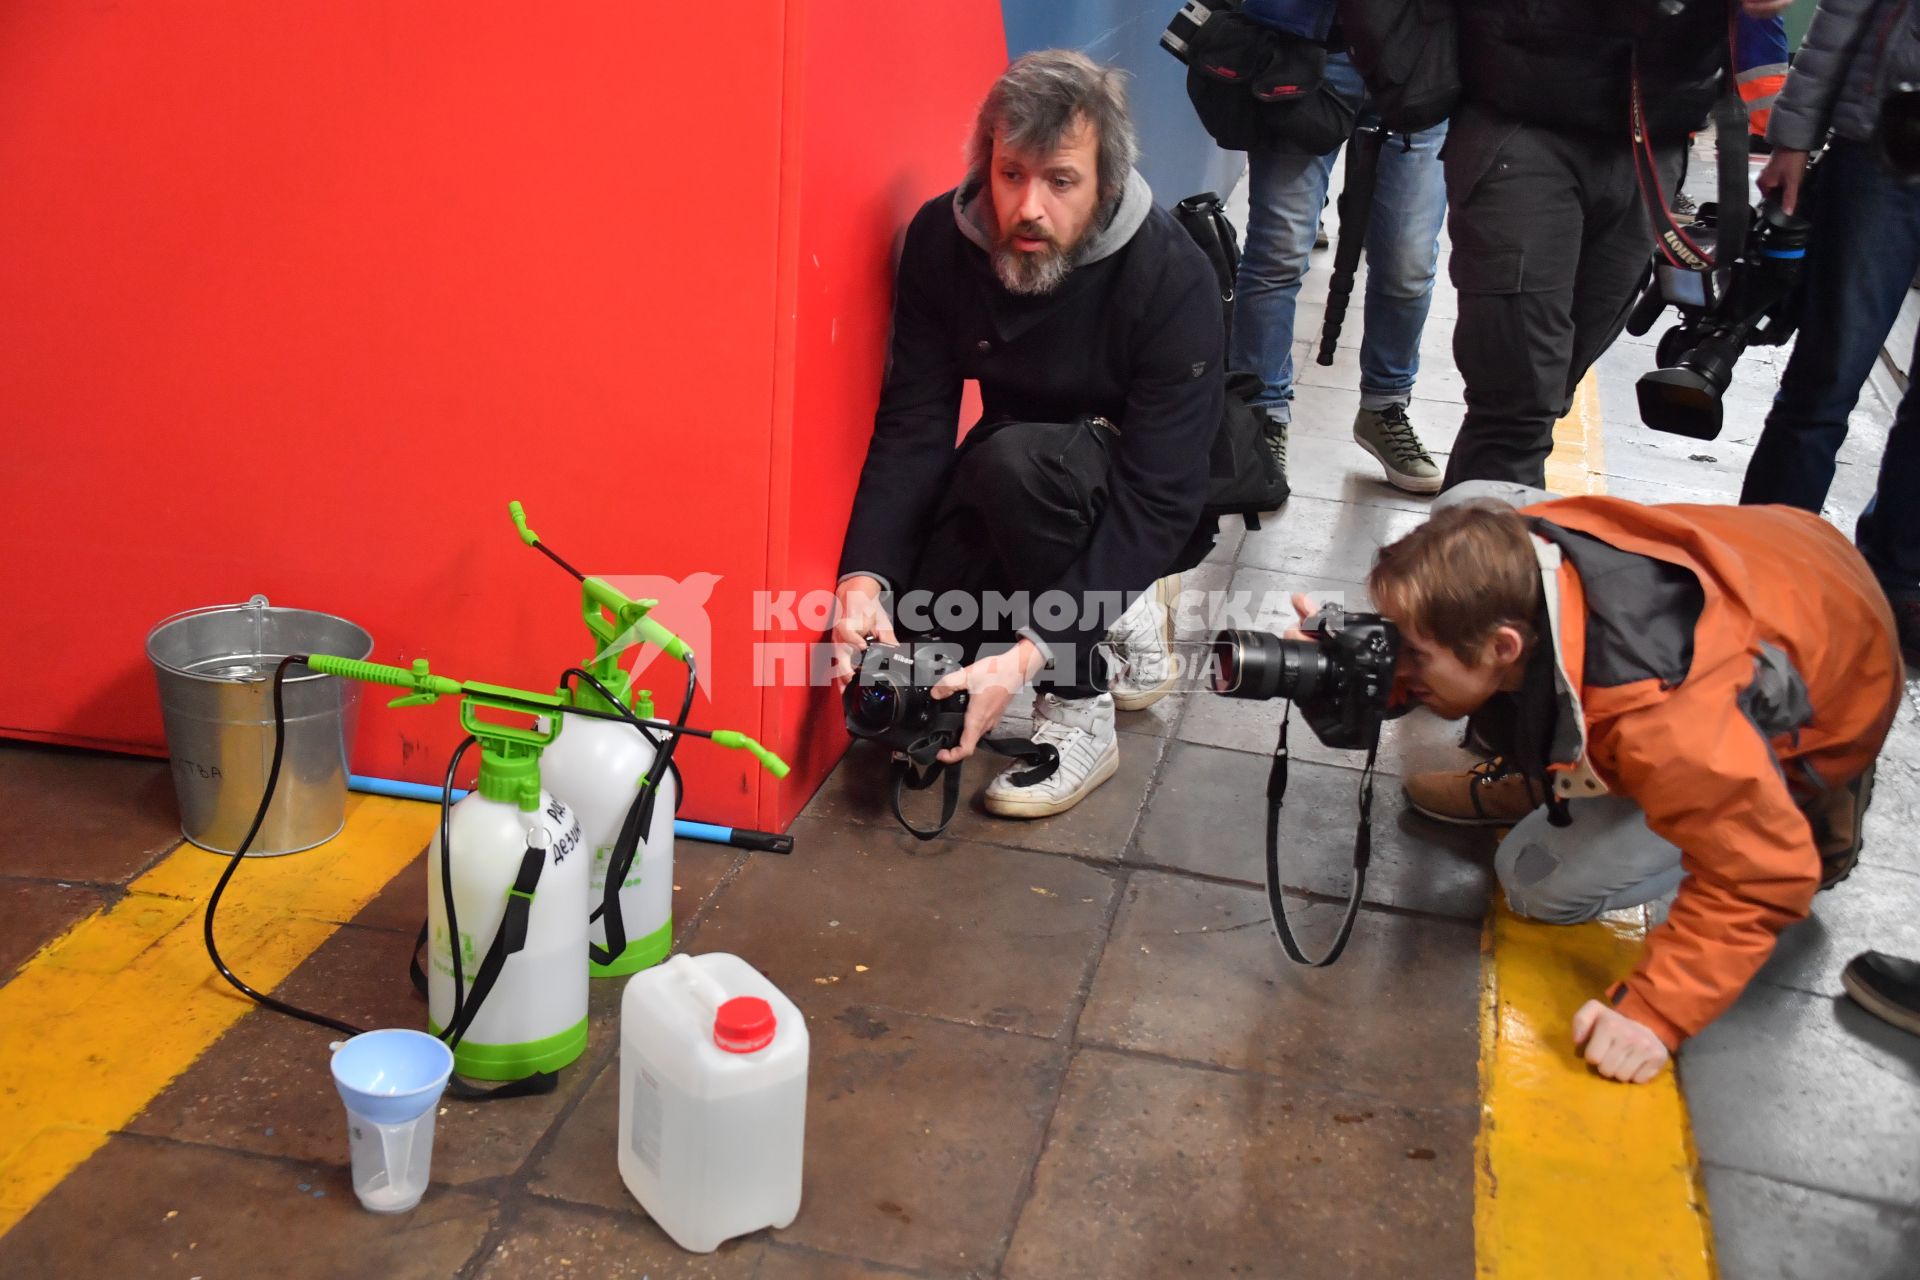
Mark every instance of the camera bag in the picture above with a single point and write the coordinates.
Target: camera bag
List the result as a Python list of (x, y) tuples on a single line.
[(1244, 476), (1256, 86)]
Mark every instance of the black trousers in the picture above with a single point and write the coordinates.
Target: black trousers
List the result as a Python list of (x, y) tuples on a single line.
[(1020, 508), (1550, 245)]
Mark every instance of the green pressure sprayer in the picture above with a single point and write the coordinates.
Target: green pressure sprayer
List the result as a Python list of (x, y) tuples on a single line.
[(619, 777), (508, 876)]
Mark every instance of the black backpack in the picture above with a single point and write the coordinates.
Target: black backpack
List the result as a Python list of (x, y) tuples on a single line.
[(1246, 479), (1408, 52)]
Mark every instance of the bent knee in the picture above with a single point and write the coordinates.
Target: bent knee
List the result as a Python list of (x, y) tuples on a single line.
[(1538, 886)]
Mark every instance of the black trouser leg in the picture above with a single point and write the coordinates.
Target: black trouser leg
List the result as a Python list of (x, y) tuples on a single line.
[(1549, 245), (1021, 506)]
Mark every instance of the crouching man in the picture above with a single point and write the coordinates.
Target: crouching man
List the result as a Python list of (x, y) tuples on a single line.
[(1092, 324), (1685, 697)]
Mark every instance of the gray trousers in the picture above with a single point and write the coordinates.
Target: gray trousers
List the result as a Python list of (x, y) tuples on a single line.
[(1606, 859), (1550, 244)]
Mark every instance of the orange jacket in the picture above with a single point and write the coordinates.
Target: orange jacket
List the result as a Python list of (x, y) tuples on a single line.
[(1791, 683)]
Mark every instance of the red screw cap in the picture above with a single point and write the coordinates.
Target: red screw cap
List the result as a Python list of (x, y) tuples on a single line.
[(745, 1024)]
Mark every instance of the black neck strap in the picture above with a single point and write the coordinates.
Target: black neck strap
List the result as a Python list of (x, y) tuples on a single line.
[(1362, 851), (919, 769)]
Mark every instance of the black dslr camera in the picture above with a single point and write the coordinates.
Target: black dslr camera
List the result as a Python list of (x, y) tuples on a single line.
[(1723, 311), (891, 701), (1340, 679)]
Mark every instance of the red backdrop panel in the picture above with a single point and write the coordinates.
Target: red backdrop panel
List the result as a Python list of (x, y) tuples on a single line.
[(295, 298), (884, 129)]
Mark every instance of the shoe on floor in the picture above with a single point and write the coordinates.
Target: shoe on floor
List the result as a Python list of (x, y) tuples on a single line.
[(1491, 794), (1683, 208), (1141, 647), (1081, 730), (1388, 435), (1887, 987)]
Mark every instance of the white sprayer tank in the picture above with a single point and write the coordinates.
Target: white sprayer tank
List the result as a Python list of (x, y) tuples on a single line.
[(535, 1019), (595, 767), (713, 1099)]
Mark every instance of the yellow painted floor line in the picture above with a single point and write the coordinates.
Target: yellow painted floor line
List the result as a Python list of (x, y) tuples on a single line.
[(1575, 1177), (102, 1019)]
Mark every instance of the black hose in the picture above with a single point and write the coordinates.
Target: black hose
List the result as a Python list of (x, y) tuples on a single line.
[(446, 892), (233, 862)]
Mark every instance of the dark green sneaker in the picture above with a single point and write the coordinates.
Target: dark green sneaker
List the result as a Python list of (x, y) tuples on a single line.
[(1886, 987), (1389, 437)]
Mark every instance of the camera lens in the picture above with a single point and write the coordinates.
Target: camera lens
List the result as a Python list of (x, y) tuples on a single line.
[(1258, 665), (875, 707)]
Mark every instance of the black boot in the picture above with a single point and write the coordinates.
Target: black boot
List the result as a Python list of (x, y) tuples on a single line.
[(1886, 987)]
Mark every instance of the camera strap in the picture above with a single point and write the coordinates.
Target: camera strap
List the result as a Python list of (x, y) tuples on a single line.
[(1362, 851), (918, 769)]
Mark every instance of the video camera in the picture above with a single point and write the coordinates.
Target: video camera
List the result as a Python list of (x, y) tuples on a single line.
[(1724, 309), (1341, 678)]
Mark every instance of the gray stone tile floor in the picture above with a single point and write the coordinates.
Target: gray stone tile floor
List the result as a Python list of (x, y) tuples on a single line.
[(1067, 1048)]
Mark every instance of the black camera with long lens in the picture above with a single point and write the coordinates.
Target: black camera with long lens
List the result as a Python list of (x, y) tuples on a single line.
[(1341, 678), (1723, 311), (891, 700)]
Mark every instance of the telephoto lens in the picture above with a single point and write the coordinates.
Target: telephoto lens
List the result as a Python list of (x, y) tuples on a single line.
[(1340, 676), (1260, 665)]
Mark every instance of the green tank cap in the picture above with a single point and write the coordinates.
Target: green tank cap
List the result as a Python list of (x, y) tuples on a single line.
[(509, 773)]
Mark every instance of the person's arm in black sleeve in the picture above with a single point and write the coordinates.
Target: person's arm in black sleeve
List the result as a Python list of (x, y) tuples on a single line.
[(1160, 470), (918, 419)]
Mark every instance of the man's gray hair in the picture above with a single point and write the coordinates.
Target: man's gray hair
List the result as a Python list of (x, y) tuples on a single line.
[(1040, 99)]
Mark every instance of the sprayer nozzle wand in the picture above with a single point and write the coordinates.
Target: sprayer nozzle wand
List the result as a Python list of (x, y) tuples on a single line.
[(532, 539), (741, 742)]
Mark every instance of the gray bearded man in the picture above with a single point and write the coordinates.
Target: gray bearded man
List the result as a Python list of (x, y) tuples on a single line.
[(1092, 325)]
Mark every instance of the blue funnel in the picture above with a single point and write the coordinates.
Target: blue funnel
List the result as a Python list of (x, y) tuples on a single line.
[(391, 1076)]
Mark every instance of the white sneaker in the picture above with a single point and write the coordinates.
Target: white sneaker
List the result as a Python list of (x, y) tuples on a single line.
[(1141, 645), (1081, 730)]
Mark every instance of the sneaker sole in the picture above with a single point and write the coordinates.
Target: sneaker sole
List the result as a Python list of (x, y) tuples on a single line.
[(1879, 1006), (1454, 820), (1400, 479), (1141, 699), (1015, 807)]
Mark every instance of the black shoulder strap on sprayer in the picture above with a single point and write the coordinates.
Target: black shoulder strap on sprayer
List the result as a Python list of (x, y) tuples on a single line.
[(626, 847), (509, 938), (1362, 851)]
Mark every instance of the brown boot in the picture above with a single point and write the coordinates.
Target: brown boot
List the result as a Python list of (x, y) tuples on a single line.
[(1491, 794), (1836, 816)]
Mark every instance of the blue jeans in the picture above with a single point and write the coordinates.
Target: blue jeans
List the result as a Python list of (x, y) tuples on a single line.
[(1286, 191), (1861, 258)]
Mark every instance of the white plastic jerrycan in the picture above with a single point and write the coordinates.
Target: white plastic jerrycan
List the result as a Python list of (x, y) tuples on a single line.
[(713, 1099)]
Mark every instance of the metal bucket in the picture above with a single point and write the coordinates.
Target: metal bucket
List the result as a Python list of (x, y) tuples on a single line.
[(215, 671)]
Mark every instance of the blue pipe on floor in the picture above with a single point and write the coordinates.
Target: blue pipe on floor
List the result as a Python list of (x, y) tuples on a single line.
[(738, 837)]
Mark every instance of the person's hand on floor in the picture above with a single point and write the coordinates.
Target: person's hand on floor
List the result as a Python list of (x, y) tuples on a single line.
[(1618, 1047)]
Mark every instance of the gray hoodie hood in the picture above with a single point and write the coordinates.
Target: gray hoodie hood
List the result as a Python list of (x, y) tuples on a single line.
[(975, 217)]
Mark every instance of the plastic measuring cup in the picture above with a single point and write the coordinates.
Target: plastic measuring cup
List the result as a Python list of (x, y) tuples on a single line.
[(391, 1081)]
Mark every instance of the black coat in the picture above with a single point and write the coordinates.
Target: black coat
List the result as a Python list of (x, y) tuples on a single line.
[(1566, 65), (1134, 337)]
